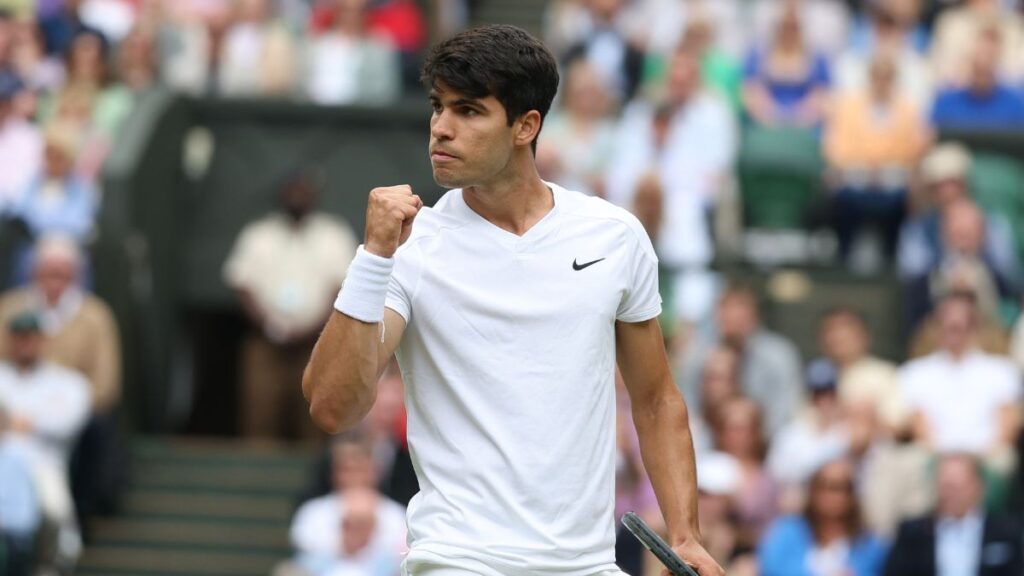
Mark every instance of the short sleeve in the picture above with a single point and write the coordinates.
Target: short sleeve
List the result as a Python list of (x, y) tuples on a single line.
[(404, 278), (1008, 390), (641, 300), (238, 268)]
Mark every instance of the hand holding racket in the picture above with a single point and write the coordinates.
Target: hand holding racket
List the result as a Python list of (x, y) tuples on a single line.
[(675, 565)]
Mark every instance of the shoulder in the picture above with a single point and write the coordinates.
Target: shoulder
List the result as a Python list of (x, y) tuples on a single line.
[(916, 528), (327, 504), (15, 300), (619, 220), (1003, 526)]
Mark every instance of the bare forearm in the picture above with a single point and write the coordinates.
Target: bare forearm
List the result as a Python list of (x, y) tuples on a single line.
[(340, 380), (667, 450)]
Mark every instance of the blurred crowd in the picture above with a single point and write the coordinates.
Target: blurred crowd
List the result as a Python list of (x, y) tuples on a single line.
[(845, 464)]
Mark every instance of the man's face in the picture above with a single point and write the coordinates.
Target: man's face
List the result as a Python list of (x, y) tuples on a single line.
[(959, 488), (298, 199), (359, 521), (683, 76), (53, 277), (737, 317), (26, 347), (843, 339), (471, 142), (956, 325), (352, 467)]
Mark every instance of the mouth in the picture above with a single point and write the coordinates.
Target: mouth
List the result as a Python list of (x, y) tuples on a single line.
[(441, 156)]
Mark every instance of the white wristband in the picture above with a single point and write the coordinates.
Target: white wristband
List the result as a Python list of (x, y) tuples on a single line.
[(365, 288)]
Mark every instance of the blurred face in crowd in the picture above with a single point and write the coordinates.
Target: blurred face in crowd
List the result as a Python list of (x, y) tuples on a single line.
[(26, 347), (585, 95), (85, 59), (683, 76), (352, 466), (137, 59), (788, 33), (844, 338), (6, 38), (948, 191), (57, 161), (350, 16), (720, 377), (737, 317), (738, 430), (963, 228), (983, 65), (604, 10), (298, 198), (956, 325), (960, 489), (831, 497), (53, 276), (883, 77), (359, 521)]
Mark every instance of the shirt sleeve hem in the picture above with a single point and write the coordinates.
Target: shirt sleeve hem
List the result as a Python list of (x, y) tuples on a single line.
[(642, 315)]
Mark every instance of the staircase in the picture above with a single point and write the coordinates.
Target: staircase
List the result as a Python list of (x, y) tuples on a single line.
[(200, 507)]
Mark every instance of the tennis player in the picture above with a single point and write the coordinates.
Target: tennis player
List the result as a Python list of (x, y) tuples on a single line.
[(508, 304)]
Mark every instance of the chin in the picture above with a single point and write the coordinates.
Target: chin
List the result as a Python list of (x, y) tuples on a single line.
[(447, 179)]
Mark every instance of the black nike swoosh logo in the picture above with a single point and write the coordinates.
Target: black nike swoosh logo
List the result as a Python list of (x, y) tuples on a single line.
[(579, 267)]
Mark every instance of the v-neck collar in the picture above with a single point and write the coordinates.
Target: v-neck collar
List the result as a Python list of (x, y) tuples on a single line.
[(511, 240)]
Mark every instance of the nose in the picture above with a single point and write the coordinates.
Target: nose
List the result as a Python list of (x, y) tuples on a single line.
[(441, 126)]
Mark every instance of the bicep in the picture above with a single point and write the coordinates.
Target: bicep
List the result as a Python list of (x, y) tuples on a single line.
[(640, 352)]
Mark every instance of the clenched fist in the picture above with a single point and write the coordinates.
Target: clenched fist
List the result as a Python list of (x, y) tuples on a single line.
[(389, 216)]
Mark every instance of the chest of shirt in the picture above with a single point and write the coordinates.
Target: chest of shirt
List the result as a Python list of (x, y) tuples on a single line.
[(501, 284)]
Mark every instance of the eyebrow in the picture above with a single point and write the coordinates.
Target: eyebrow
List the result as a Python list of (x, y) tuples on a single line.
[(473, 102)]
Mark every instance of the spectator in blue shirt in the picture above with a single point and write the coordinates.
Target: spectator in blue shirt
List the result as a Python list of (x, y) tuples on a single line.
[(19, 508), (787, 83), (985, 102), (828, 538)]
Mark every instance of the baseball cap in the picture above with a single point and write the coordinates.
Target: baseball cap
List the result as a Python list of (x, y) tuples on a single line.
[(10, 85), (949, 161), (22, 322), (821, 375)]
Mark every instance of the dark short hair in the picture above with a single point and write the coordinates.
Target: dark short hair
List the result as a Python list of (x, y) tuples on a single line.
[(496, 60)]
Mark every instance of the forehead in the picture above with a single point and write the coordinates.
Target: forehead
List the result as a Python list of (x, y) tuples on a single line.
[(446, 94)]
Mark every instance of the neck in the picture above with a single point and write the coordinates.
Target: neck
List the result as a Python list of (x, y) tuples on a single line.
[(25, 365), (831, 530), (514, 204)]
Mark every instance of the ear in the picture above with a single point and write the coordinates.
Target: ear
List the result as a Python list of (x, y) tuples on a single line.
[(526, 128)]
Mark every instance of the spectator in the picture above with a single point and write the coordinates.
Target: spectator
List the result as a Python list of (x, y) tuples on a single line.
[(719, 382), (687, 141), (317, 532), (893, 30), (349, 65), (829, 538), (739, 433), (285, 269), (816, 436), (21, 145), (618, 62), (41, 72), (19, 506), (81, 334), (984, 102), (663, 24), (576, 145), (189, 45), (960, 537), (962, 398), (787, 82), (770, 373), (892, 475), (47, 405), (873, 140), (958, 30), (58, 201), (718, 483), (61, 25), (257, 57), (846, 341)]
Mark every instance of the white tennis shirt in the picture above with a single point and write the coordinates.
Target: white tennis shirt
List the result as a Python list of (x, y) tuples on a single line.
[(508, 359)]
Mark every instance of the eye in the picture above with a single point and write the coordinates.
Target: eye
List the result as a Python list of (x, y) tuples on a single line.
[(469, 112), (436, 106)]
